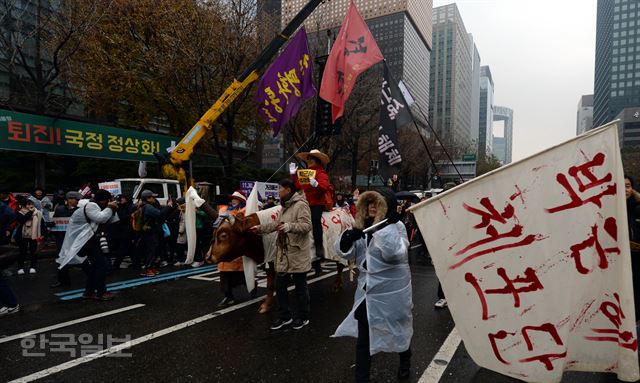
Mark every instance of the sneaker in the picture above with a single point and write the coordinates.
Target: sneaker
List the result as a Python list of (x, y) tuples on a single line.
[(280, 323), (178, 264), (226, 301), (9, 310), (104, 297), (32, 271), (441, 303), (196, 264), (155, 271), (164, 264), (299, 323), (147, 273), (88, 296), (21, 272)]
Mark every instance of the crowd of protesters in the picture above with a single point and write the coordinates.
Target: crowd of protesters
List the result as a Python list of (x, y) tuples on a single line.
[(105, 233)]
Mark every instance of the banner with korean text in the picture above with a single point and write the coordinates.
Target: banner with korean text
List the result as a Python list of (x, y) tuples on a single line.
[(287, 83), (535, 263), (41, 134)]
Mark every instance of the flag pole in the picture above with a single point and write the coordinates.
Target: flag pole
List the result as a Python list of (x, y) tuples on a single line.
[(440, 142), (290, 157), (424, 143)]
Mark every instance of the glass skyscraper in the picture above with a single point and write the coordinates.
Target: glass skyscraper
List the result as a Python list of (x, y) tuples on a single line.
[(617, 70), (451, 85)]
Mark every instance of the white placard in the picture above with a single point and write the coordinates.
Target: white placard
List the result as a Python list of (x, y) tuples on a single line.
[(534, 261)]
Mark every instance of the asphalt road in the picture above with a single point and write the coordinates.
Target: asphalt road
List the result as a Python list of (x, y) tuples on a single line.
[(177, 334)]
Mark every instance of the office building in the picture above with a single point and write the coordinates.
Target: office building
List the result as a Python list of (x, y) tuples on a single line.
[(501, 113), (617, 69), (402, 29), (475, 93), (584, 120), (485, 141), (451, 85), (629, 128)]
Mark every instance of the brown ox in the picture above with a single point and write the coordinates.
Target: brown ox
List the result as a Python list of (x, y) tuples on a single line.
[(232, 240)]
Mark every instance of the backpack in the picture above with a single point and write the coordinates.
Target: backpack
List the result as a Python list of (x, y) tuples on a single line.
[(137, 222)]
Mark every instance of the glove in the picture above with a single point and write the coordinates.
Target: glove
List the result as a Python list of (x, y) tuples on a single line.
[(293, 168), (284, 227), (313, 182), (349, 237)]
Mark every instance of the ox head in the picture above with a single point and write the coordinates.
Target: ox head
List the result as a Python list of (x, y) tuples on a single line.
[(232, 240)]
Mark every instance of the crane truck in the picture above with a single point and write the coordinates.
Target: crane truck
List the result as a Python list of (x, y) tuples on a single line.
[(173, 163)]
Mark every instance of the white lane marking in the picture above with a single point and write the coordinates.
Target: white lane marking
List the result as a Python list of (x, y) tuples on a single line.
[(69, 323), (117, 348), (439, 364), (205, 276)]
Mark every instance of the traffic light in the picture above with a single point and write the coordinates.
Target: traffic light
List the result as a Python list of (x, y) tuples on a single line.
[(324, 126)]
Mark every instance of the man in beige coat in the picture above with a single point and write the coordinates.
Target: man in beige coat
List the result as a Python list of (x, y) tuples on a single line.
[(293, 255)]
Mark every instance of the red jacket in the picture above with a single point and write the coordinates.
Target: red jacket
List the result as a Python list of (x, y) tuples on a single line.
[(315, 196)]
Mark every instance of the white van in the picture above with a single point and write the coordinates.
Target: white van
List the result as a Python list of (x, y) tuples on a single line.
[(164, 188)]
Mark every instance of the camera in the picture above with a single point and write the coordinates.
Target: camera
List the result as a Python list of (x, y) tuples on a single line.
[(104, 245)]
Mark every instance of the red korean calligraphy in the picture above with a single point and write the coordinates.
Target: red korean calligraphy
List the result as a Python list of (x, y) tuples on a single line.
[(529, 281), (546, 359), (613, 311), (593, 241), (585, 179), (489, 218)]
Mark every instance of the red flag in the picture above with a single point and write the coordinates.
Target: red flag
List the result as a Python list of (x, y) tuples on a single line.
[(354, 51)]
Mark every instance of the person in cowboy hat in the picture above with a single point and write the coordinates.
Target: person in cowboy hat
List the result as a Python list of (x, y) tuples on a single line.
[(232, 273), (315, 191)]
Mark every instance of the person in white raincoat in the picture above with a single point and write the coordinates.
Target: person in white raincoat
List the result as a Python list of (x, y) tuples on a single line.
[(81, 242), (381, 316)]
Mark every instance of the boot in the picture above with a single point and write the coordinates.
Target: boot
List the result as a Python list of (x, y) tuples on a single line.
[(404, 371)]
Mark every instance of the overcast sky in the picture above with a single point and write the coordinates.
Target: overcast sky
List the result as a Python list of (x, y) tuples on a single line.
[(541, 54)]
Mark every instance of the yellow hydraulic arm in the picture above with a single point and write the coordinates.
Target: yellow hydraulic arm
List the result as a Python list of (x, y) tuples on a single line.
[(172, 165)]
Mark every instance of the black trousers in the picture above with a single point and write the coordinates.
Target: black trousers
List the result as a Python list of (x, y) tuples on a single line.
[(440, 292), (229, 280), (121, 247), (363, 357), (97, 270), (316, 223), (303, 307), (25, 245)]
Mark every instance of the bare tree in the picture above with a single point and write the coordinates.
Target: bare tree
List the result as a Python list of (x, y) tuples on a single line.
[(38, 39)]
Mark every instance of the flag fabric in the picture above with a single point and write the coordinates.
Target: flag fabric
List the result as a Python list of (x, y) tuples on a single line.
[(534, 259), (393, 114), (287, 83), (249, 265), (354, 51)]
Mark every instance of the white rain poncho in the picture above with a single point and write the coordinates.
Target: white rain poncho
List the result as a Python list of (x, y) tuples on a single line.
[(388, 296), (79, 232)]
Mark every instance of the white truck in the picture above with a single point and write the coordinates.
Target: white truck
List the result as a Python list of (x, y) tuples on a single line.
[(164, 188)]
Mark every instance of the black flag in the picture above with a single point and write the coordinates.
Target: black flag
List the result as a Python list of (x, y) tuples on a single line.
[(393, 114)]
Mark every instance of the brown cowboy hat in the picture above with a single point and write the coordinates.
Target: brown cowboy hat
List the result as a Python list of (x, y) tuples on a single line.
[(315, 153)]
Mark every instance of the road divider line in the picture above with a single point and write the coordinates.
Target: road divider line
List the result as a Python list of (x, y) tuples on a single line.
[(69, 323), (439, 363), (178, 273), (117, 348)]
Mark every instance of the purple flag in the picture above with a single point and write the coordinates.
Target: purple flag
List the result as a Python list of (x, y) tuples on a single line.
[(286, 84)]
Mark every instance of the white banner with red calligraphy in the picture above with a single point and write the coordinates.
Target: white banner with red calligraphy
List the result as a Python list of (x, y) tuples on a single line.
[(534, 261)]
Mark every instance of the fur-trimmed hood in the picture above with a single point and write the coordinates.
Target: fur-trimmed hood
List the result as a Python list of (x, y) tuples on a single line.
[(362, 206), (386, 204)]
